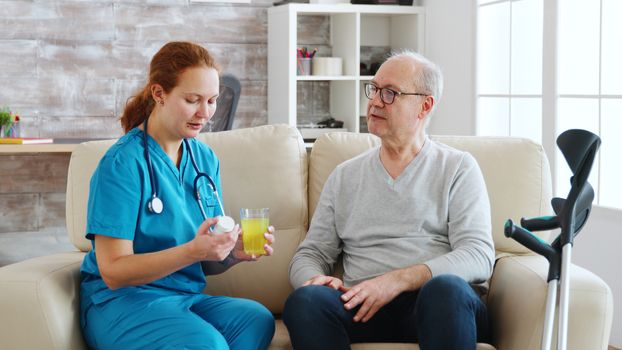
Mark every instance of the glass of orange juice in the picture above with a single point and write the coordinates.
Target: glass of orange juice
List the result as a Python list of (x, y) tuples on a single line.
[(254, 224)]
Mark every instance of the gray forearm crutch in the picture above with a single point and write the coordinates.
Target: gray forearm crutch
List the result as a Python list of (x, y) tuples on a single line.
[(579, 147)]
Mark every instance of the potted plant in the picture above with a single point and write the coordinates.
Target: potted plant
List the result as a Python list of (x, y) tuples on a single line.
[(5, 120), (8, 123)]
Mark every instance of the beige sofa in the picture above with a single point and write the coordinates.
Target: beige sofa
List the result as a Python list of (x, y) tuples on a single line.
[(268, 166)]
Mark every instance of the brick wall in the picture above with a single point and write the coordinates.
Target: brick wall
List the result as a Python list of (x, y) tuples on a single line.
[(69, 66)]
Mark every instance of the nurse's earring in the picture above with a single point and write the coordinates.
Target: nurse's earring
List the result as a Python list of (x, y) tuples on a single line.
[(161, 102)]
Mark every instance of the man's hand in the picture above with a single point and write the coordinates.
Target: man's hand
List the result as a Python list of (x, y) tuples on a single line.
[(371, 295), (377, 292), (328, 281)]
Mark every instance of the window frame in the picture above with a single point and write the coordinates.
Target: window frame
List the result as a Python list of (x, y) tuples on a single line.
[(550, 96)]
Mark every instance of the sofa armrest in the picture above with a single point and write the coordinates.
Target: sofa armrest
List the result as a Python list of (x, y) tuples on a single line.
[(517, 305), (40, 304)]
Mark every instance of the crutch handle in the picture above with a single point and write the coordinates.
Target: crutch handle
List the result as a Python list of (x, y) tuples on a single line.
[(528, 239), (540, 223)]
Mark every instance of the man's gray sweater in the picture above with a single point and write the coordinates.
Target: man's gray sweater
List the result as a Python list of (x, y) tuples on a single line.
[(436, 212)]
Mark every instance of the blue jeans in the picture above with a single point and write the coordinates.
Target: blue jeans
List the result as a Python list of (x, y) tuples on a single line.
[(445, 313)]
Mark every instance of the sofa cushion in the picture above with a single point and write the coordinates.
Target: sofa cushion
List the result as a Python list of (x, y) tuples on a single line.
[(40, 303), (516, 172), (264, 166), (83, 162)]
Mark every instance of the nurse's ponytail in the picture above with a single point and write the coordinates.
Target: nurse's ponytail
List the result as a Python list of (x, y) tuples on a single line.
[(166, 66), (137, 109)]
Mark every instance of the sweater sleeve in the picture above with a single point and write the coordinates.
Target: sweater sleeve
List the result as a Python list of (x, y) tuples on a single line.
[(469, 227), (319, 251)]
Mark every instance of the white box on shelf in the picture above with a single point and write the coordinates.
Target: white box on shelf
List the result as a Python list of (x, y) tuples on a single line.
[(328, 66)]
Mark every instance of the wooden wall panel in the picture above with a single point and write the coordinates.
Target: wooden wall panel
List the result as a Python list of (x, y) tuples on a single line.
[(253, 105), (199, 22), (59, 95), (57, 20), (73, 64), (69, 66), (52, 212), (18, 58), (95, 58), (33, 173), (18, 212), (314, 30), (246, 61), (81, 127)]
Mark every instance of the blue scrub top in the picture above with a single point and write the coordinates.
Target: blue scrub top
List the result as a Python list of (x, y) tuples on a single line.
[(119, 192)]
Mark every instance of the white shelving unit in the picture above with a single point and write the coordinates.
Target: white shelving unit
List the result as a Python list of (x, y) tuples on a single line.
[(351, 27)]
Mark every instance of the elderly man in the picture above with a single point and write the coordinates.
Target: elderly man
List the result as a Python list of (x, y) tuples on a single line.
[(411, 219)]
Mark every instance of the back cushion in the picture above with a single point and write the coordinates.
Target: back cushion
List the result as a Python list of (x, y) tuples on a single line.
[(82, 164), (264, 166), (261, 167), (516, 172)]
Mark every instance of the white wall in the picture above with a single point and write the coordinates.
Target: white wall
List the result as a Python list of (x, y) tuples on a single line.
[(597, 248), (450, 42)]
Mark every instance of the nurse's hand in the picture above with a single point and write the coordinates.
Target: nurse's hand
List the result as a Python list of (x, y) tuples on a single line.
[(239, 254), (209, 246)]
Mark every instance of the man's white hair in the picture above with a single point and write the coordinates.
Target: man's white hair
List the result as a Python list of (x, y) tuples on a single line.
[(430, 78)]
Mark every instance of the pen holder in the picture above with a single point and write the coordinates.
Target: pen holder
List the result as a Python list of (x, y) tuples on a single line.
[(9, 130), (303, 66), (15, 130)]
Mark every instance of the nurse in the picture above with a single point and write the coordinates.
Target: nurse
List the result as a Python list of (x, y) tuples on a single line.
[(142, 283)]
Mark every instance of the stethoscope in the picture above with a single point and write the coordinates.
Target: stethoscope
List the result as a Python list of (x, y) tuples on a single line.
[(155, 204)]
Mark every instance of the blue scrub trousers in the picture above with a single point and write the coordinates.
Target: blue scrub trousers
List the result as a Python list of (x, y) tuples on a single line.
[(444, 314), (152, 319)]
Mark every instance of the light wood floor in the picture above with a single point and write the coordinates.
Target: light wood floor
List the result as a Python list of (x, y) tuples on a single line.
[(612, 348)]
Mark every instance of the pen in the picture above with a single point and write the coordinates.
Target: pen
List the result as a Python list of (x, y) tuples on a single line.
[(313, 53)]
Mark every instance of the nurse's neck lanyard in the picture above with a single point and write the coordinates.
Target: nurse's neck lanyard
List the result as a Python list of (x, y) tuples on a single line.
[(155, 204)]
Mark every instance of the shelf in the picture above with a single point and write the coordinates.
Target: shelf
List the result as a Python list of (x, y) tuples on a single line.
[(357, 33), (39, 148), (323, 9), (60, 145)]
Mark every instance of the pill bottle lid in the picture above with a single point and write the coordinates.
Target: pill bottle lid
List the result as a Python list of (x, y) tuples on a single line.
[(224, 224)]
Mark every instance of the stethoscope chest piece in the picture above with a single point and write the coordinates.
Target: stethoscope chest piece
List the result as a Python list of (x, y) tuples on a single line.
[(155, 205)]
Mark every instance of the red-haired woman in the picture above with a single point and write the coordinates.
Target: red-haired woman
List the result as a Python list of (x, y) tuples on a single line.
[(142, 283)]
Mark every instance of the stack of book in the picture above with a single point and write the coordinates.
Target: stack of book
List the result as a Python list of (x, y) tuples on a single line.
[(24, 140)]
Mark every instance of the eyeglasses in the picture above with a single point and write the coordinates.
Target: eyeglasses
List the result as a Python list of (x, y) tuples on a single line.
[(386, 95)]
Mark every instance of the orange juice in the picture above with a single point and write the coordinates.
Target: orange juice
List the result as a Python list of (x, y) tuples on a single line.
[(253, 230)]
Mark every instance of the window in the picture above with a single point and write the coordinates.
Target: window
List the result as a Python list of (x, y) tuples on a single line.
[(509, 69), (581, 82)]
